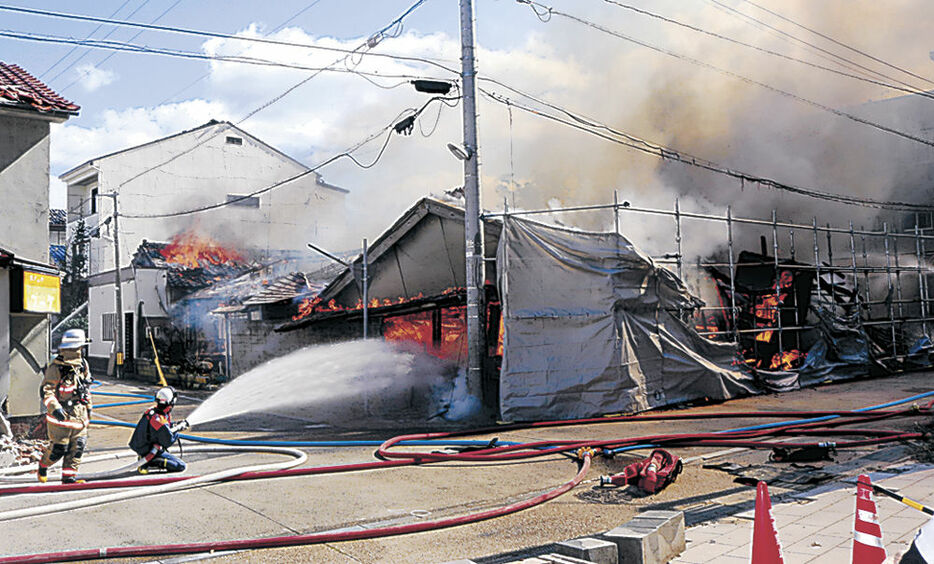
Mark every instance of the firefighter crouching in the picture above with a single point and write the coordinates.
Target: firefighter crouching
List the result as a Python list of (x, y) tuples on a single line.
[(66, 394), (154, 434)]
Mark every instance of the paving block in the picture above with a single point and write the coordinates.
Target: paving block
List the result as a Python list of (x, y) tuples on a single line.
[(654, 537), (589, 549), (562, 559)]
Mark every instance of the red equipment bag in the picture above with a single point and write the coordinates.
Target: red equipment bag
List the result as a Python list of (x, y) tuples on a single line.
[(650, 475)]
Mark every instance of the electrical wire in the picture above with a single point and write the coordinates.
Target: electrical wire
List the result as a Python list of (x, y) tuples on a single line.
[(367, 45), (840, 43), (609, 133), (106, 35), (178, 53), (378, 36), (732, 74), (807, 43), (275, 29), (110, 55), (721, 37), (75, 48), (347, 153)]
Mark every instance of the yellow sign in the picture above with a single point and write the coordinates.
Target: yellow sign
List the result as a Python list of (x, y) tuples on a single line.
[(41, 293)]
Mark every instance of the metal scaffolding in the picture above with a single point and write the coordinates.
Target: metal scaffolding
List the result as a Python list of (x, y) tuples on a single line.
[(883, 295)]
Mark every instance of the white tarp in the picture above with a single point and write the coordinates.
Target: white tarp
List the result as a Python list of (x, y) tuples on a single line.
[(591, 327)]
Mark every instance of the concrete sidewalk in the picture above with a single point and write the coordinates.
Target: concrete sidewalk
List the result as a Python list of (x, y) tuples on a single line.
[(817, 526)]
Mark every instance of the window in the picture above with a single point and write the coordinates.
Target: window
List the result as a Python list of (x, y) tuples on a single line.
[(93, 201), (234, 141), (243, 200), (108, 320)]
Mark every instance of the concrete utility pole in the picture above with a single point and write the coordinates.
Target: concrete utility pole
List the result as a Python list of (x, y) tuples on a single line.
[(118, 291), (473, 227)]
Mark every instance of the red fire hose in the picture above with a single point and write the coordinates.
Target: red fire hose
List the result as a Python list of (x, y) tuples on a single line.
[(744, 438), (298, 540)]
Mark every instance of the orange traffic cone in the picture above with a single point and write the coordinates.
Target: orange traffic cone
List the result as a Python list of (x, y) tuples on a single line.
[(765, 546), (867, 534)]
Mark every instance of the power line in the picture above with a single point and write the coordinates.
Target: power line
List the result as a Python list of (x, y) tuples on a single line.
[(604, 131), (137, 34), (812, 103), (106, 35), (347, 153), (697, 29), (836, 42), (809, 44), (145, 50), (370, 43), (374, 38), (275, 29), (89, 36)]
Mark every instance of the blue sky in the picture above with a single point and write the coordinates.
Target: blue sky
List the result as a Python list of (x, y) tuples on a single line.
[(131, 98)]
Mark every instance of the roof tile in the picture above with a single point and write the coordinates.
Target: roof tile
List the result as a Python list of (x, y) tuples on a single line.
[(20, 89)]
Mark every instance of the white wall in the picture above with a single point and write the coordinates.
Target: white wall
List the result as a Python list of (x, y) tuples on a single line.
[(101, 300), (147, 285), (288, 217), (24, 187)]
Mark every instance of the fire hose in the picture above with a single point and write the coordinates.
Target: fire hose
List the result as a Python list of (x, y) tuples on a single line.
[(299, 457), (735, 437), (298, 540)]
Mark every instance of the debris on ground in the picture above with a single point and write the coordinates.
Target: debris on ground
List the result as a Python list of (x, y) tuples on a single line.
[(923, 450), (17, 452)]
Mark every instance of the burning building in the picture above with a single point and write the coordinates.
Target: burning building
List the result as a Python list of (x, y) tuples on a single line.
[(159, 314), (416, 292)]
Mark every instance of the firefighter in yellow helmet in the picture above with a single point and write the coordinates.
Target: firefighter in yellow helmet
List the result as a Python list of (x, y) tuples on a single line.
[(66, 394)]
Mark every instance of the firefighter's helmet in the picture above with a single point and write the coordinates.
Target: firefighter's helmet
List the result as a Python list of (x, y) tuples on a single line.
[(73, 339), (166, 398)]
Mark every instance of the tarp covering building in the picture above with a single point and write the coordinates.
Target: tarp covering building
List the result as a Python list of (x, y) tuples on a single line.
[(592, 326)]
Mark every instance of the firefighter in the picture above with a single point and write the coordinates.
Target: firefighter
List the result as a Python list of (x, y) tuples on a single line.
[(154, 434), (66, 394)]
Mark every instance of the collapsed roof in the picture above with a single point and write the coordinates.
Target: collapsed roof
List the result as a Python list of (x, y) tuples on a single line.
[(183, 276)]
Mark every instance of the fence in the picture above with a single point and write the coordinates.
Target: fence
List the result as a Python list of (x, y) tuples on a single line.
[(874, 282)]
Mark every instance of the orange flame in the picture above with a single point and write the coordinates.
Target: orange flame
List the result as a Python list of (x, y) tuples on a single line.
[(765, 336), (194, 251), (787, 360), (313, 305)]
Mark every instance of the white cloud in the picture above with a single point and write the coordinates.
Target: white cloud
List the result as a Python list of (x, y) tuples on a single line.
[(91, 78), (642, 92)]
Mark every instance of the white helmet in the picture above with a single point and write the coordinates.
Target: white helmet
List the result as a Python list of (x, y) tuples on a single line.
[(166, 398), (73, 339)]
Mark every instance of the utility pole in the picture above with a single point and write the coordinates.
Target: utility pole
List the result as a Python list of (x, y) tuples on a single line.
[(118, 291), (473, 228), (366, 293)]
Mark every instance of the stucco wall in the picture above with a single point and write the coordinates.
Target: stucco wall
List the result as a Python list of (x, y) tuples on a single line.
[(33, 332), (300, 211), (24, 182)]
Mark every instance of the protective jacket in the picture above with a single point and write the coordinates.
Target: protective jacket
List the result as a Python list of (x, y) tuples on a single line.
[(67, 385), (153, 433)]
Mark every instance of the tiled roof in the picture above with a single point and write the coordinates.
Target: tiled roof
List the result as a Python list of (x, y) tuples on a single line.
[(285, 288), (20, 89), (149, 255), (58, 217)]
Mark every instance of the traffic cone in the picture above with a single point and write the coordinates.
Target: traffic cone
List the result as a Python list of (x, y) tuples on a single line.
[(766, 549), (867, 534)]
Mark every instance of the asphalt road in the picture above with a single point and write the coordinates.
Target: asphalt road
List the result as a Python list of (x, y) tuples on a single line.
[(284, 506)]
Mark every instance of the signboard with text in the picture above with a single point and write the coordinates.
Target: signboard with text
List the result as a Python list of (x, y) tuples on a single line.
[(41, 293)]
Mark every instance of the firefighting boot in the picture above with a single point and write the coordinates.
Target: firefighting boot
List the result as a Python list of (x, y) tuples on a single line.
[(43, 475)]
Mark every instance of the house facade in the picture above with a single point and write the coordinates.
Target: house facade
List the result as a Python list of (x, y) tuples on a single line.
[(216, 163), (29, 286), (249, 195)]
